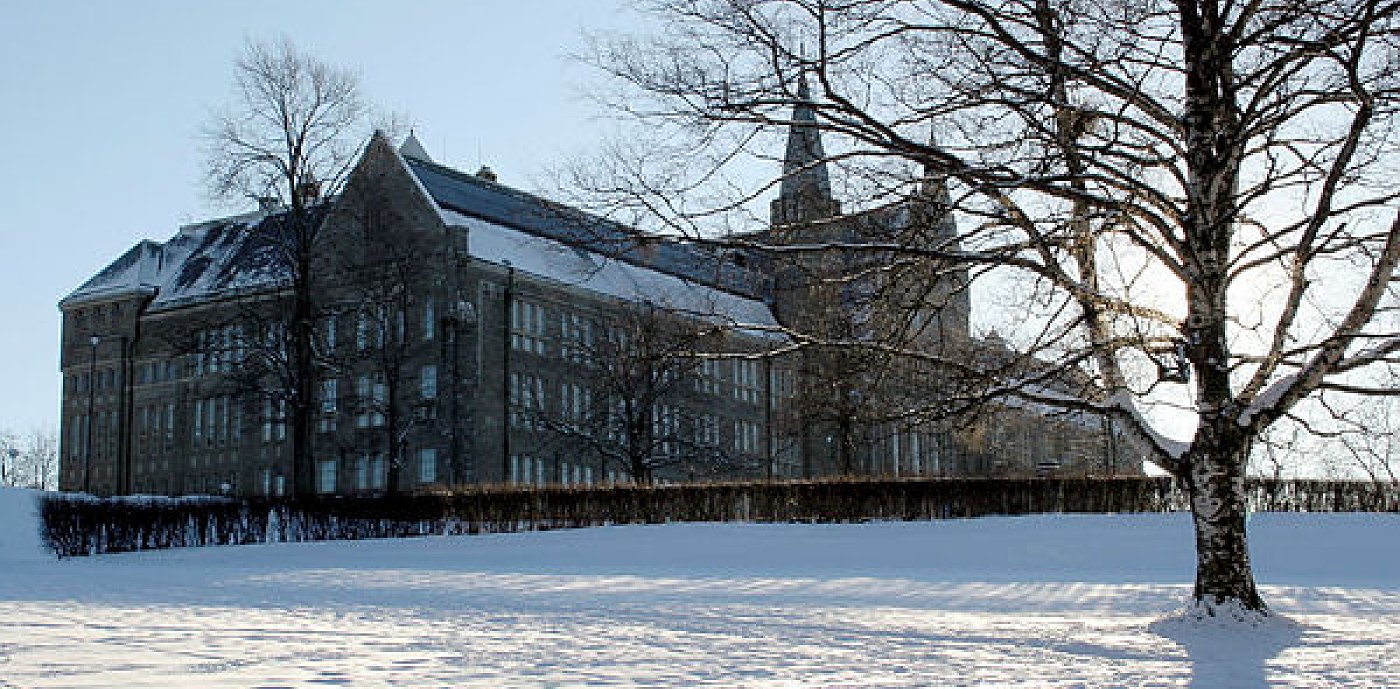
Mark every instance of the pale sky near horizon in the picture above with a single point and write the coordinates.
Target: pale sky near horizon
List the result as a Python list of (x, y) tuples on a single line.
[(106, 102)]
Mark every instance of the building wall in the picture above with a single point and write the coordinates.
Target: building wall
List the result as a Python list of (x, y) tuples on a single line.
[(470, 372), (185, 406)]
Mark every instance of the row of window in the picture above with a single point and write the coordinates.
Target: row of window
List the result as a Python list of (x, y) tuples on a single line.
[(369, 472), (539, 471), (102, 380), (155, 427), (103, 429), (528, 411), (107, 315), (223, 349), (743, 380)]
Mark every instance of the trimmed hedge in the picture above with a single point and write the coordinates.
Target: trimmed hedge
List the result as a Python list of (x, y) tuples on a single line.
[(81, 525)]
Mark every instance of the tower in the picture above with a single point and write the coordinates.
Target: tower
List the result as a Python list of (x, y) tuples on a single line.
[(804, 195), (836, 283)]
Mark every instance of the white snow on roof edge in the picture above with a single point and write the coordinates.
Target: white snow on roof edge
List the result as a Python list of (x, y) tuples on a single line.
[(588, 270)]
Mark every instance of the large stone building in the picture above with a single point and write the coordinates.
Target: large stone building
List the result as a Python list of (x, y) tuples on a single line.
[(467, 332)]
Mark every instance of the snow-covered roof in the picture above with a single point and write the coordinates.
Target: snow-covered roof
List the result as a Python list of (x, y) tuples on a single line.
[(212, 260), (135, 272), (470, 195), (577, 267), (233, 256)]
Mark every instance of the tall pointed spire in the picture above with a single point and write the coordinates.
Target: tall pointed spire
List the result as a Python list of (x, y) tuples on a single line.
[(805, 191)]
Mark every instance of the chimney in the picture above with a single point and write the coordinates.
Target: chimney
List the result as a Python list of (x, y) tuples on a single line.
[(486, 173)]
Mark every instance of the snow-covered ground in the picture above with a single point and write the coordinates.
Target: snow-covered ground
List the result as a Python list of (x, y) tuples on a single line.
[(1047, 601)]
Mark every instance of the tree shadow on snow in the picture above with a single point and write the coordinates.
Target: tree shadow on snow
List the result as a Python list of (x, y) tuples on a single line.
[(1226, 650)]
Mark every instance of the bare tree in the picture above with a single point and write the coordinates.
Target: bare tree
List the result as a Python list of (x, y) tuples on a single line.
[(635, 401), (288, 137), (31, 461), (9, 458), (1195, 197)]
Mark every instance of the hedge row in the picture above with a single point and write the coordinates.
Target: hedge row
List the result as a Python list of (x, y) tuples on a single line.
[(79, 525)]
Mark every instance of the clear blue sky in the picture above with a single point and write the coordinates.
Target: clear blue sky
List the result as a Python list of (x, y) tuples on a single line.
[(104, 102)]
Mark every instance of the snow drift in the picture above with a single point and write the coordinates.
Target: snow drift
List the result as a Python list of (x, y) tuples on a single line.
[(21, 538)]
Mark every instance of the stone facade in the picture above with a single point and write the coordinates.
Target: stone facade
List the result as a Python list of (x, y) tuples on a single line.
[(470, 333)]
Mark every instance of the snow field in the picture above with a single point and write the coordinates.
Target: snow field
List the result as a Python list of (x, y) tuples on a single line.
[(1046, 601)]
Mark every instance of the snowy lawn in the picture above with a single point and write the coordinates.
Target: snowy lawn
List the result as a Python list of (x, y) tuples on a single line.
[(1051, 601)]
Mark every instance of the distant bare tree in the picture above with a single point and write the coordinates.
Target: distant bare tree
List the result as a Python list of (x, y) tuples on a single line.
[(31, 461), (1187, 193), (289, 137)]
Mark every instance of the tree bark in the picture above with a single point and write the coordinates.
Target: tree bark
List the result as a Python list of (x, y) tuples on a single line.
[(1223, 572)]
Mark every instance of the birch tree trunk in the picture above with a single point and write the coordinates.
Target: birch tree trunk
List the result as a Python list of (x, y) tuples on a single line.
[(1216, 487)]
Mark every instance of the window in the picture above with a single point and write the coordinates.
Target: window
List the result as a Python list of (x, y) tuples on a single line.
[(372, 394), (527, 327), (707, 430), (575, 338), (329, 404), (376, 472), (429, 321), (281, 418), (780, 382), (428, 382), (362, 472), (222, 420), (265, 481), (527, 401), (211, 418), (399, 326), (574, 403), (328, 332), (274, 425), (169, 425), (526, 469), (380, 397), (746, 381), (362, 396), (711, 374), (198, 421), (665, 426), (746, 437), (235, 421), (427, 465), (361, 331), (617, 419), (325, 476)]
